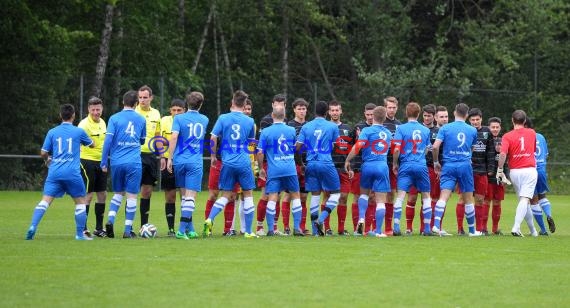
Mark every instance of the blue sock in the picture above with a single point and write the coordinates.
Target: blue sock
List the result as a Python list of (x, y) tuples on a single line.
[(397, 214), (39, 212), (80, 219), (186, 214), (545, 205), (218, 207), (114, 207), (248, 209), (270, 215), (130, 211), (332, 202), (470, 215), (439, 210), (362, 206), (297, 211), (537, 213), (380, 213), (426, 210)]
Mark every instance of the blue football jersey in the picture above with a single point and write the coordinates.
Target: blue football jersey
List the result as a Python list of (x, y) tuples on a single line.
[(541, 153), (125, 133), (318, 137), (278, 144), (414, 140), (458, 138), (236, 131), (377, 140), (191, 128), (63, 143)]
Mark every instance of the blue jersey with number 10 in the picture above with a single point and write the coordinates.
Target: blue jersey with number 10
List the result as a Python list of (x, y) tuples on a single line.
[(125, 133), (458, 138), (63, 142), (278, 144), (191, 129), (236, 131), (413, 139)]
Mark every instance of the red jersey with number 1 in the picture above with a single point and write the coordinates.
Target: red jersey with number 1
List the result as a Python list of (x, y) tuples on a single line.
[(520, 145)]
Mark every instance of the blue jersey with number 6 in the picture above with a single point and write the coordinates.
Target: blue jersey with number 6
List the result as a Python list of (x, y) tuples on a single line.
[(413, 139), (191, 129), (236, 131), (125, 133), (458, 138), (278, 144)]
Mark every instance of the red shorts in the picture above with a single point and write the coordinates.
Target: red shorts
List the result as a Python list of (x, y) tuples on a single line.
[(355, 185), (261, 182), (393, 179), (413, 191), (214, 178), (301, 177), (434, 184), (345, 182), (480, 181), (495, 192)]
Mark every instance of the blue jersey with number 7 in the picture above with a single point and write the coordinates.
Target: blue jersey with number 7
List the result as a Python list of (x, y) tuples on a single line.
[(458, 138)]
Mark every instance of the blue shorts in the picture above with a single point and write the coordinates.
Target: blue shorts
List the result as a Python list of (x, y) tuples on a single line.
[(73, 186), (541, 182), (189, 176), (457, 173), (126, 177), (416, 175), (375, 176), (230, 175), (321, 177), (284, 183)]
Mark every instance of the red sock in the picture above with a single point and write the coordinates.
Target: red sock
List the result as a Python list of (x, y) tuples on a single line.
[(261, 209), (496, 216), (410, 214), (478, 223), (484, 216), (460, 215), (369, 217), (209, 205), (341, 216), (286, 213), (388, 218), (303, 223), (354, 212), (277, 212), (228, 216), (328, 219)]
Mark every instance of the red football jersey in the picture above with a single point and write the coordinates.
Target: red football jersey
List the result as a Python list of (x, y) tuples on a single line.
[(520, 145)]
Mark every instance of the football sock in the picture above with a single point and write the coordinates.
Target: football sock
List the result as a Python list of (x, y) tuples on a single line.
[(39, 212), (389, 216), (114, 207), (228, 215), (286, 213), (297, 210), (130, 211), (439, 208), (545, 205), (397, 214), (236, 214), (537, 213), (433, 203), (484, 216), (460, 214), (496, 216), (170, 212), (241, 217), (427, 213), (520, 213), (87, 215), (410, 214), (314, 208), (80, 219), (277, 213), (332, 202), (370, 216), (303, 215), (99, 214), (209, 206), (528, 219), (478, 222), (261, 208), (218, 207), (380, 212), (248, 209), (145, 210), (327, 220), (270, 215), (470, 215), (187, 209), (341, 217), (362, 206), (354, 212)]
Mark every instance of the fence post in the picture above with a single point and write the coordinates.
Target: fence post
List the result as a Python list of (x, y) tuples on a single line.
[(81, 97)]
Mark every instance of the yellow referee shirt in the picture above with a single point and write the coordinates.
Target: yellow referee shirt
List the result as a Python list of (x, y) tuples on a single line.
[(95, 131), (166, 130), (152, 117)]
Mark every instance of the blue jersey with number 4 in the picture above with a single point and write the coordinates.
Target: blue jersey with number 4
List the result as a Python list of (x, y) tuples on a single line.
[(191, 129), (125, 134), (458, 138), (318, 137), (63, 142), (278, 145), (236, 131), (376, 145), (413, 139)]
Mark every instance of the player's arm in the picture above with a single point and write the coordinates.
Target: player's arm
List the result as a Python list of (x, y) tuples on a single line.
[(172, 147), (353, 152), (214, 148), (259, 157), (107, 145), (491, 154), (435, 153)]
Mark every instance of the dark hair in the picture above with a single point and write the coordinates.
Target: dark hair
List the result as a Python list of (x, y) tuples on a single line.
[(475, 112), (280, 98), (369, 106), (380, 114), (494, 120), (528, 123), (94, 101), (146, 88), (130, 99), (239, 98), (519, 117), (440, 108), (429, 108), (413, 110), (300, 102), (321, 108), (178, 103), (66, 111), (194, 100), (248, 102), (335, 103), (461, 109)]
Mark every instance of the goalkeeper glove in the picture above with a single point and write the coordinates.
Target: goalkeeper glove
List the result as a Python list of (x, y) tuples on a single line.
[(501, 177)]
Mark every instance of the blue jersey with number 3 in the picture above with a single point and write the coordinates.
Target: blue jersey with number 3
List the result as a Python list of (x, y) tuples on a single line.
[(191, 129), (63, 142), (458, 138), (125, 132), (236, 131)]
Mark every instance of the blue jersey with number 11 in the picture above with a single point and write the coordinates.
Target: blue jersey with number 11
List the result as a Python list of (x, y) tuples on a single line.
[(236, 131), (458, 138), (62, 143), (191, 129)]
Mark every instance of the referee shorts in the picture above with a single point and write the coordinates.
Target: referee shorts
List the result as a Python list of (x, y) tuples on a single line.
[(94, 178), (150, 169)]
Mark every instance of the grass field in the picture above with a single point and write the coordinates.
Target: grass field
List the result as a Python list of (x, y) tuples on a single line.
[(55, 270)]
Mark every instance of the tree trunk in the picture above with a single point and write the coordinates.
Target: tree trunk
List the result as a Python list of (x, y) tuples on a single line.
[(103, 51), (322, 68), (181, 21), (218, 90), (285, 48), (203, 40), (226, 55), (118, 59)]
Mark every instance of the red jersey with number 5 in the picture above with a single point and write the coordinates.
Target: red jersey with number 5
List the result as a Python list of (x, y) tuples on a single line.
[(520, 145)]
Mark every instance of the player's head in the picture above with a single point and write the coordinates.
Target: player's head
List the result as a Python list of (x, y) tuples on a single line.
[(369, 113), (428, 114), (95, 108), (130, 99), (379, 114), (67, 112), (321, 109), (461, 111), (441, 116), (145, 96), (528, 123), (177, 106), (279, 99), (239, 98), (194, 100), (413, 110), (494, 125), (518, 117), (475, 117), (391, 104), (335, 110), (300, 108), (248, 107), (278, 113)]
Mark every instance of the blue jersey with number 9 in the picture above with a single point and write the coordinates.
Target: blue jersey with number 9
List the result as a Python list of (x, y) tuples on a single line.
[(236, 131), (458, 138)]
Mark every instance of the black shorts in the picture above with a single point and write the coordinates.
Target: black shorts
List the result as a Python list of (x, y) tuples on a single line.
[(94, 178), (167, 180), (150, 169)]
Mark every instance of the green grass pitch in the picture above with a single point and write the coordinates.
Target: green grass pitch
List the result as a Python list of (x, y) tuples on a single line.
[(54, 270)]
